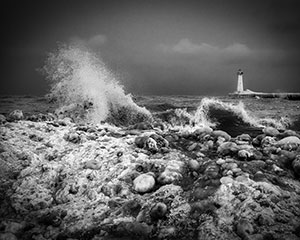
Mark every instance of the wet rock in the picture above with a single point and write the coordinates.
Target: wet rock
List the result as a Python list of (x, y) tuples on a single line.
[(132, 229), (132, 207), (220, 161), (244, 154), (296, 165), (288, 133), (158, 211), (144, 183), (143, 126), (16, 115), (226, 180), (151, 145), (167, 232), (259, 176), (160, 141), (147, 143), (227, 148), (7, 236), (212, 171), (220, 133), (202, 132), (194, 165), (93, 164), (257, 155), (200, 193), (140, 141), (168, 176), (270, 131), (266, 218), (257, 140), (172, 172), (2, 119), (244, 137), (192, 147), (289, 143), (268, 141), (244, 228), (72, 137), (14, 227), (52, 218)]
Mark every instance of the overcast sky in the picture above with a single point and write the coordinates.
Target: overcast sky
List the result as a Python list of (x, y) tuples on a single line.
[(158, 47)]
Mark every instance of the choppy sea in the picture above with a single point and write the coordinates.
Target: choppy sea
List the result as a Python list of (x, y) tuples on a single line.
[(235, 115)]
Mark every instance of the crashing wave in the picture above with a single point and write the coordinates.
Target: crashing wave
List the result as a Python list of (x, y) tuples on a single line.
[(85, 89)]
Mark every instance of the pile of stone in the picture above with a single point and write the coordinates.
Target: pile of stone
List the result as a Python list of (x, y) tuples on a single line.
[(87, 181)]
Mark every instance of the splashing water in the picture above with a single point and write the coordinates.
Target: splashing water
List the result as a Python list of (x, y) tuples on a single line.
[(85, 88), (233, 118)]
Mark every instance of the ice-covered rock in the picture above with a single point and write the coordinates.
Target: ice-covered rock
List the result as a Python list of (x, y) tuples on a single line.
[(220, 133), (2, 119), (16, 115), (289, 143), (296, 165), (227, 148), (270, 131), (144, 183)]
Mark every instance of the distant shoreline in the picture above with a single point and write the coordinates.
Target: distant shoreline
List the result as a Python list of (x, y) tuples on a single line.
[(250, 94)]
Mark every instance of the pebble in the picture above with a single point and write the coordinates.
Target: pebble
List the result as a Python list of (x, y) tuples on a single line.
[(144, 183), (220, 161), (244, 154), (236, 170), (226, 180), (192, 147), (229, 173), (194, 164)]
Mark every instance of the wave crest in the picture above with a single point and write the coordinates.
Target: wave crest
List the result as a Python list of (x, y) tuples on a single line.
[(82, 84)]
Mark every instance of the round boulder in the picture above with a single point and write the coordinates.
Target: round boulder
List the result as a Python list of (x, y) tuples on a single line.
[(270, 131), (144, 183), (292, 140)]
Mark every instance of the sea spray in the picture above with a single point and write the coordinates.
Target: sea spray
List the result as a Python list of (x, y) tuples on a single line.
[(85, 89), (212, 112)]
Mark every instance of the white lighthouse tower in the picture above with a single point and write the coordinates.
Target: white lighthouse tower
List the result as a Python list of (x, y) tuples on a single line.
[(240, 85)]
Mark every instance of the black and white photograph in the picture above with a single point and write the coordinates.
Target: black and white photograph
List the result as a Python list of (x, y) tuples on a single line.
[(150, 120)]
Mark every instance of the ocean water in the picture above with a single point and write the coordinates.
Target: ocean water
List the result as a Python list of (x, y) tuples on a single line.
[(85, 89), (223, 112)]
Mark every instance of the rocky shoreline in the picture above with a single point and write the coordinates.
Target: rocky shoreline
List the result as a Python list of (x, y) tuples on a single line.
[(64, 180)]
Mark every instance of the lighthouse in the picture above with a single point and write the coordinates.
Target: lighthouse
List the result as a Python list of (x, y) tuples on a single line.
[(240, 85)]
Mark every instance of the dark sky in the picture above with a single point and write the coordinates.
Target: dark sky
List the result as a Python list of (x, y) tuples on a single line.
[(158, 47)]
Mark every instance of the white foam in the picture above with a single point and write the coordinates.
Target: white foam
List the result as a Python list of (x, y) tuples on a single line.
[(78, 76)]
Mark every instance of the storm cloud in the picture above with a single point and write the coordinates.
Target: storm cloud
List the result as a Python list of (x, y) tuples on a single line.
[(158, 47)]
